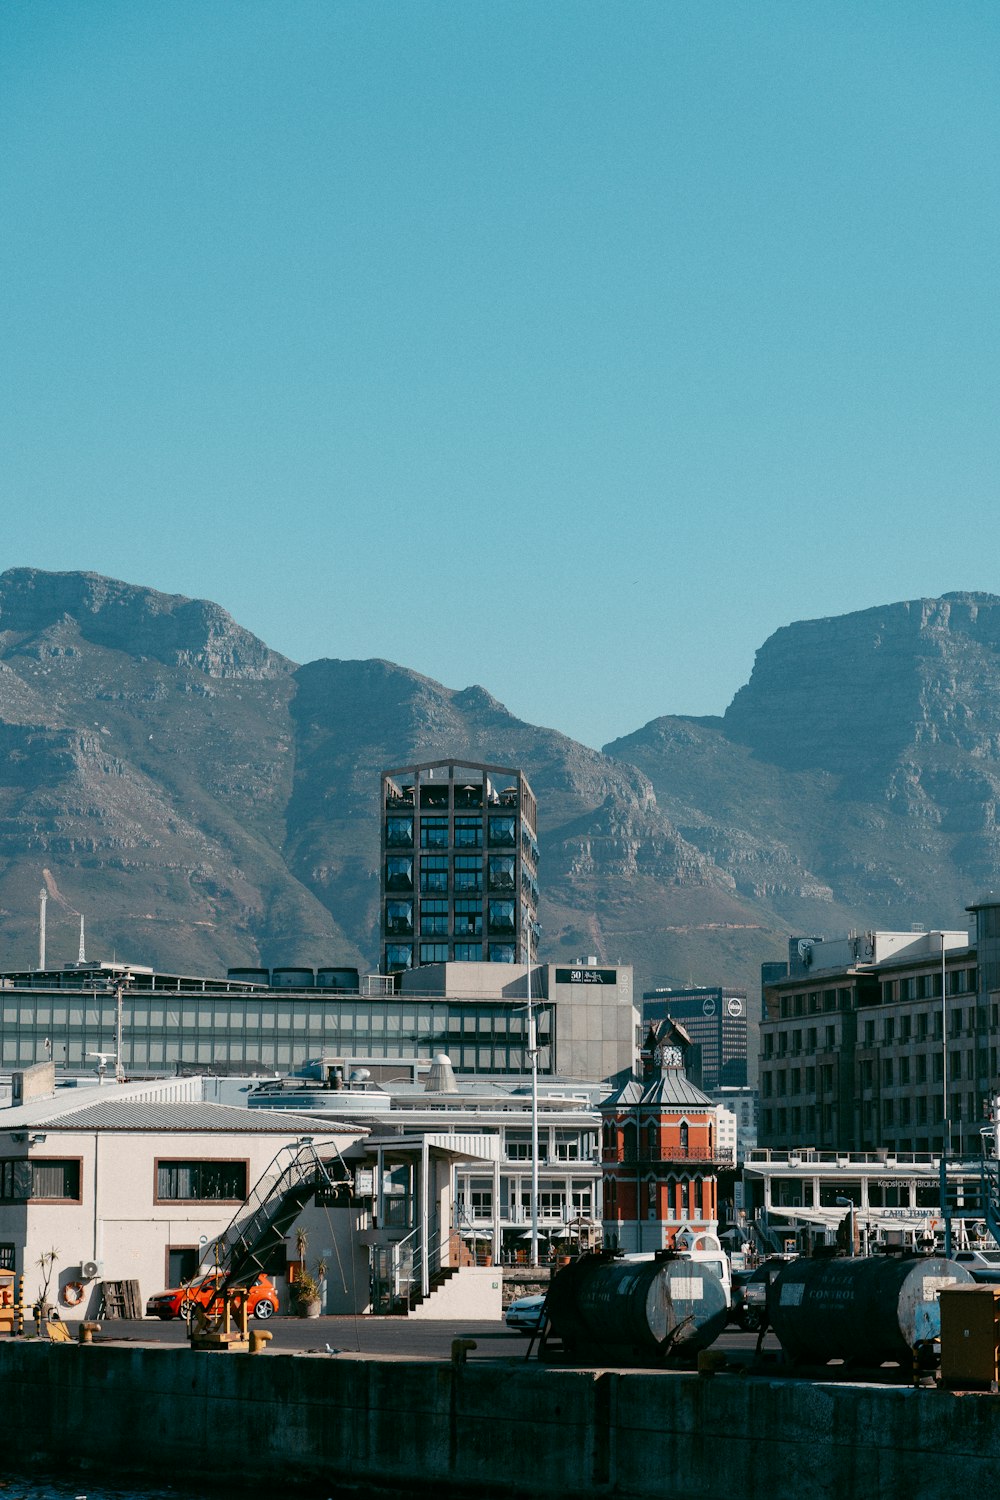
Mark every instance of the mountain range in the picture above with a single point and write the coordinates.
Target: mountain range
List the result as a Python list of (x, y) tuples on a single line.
[(206, 802)]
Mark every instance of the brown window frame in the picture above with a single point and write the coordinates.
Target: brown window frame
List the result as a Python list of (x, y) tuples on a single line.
[(220, 1161), (50, 1161)]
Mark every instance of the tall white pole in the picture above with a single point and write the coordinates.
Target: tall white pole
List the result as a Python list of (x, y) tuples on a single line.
[(533, 1054), (119, 991), (946, 1138)]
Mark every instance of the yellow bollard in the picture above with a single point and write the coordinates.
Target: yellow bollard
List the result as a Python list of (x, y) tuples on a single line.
[(259, 1338), (87, 1331)]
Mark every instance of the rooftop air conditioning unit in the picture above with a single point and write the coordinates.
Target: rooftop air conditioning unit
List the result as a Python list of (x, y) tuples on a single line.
[(91, 1269)]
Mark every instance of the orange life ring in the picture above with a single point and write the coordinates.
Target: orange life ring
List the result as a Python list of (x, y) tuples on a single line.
[(73, 1293)]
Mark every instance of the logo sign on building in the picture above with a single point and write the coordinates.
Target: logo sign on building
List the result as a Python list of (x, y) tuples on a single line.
[(586, 976), (734, 1006)]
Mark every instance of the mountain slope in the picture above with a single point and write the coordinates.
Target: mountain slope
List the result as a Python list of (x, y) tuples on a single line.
[(207, 802)]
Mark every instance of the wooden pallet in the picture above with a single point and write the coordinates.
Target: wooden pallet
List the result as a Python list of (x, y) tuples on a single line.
[(121, 1299)]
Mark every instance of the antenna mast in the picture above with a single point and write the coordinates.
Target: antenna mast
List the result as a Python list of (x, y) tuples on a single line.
[(43, 897), (83, 946)]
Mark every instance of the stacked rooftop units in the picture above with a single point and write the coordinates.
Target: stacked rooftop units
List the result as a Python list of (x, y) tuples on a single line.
[(459, 866)]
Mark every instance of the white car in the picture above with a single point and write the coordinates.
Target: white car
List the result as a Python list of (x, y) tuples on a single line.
[(524, 1315), (984, 1264)]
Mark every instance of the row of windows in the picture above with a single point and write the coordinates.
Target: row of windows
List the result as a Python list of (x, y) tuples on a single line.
[(477, 1054), (400, 955), (891, 1072), (890, 1192), (887, 1030), (475, 1199), (60, 1181), (465, 795), (463, 874), (782, 1042), (913, 987), (462, 833), (436, 919), (928, 986)]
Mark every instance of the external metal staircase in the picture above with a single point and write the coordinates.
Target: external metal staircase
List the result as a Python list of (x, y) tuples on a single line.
[(260, 1226)]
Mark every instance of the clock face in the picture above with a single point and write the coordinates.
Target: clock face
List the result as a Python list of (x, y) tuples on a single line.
[(670, 1057)]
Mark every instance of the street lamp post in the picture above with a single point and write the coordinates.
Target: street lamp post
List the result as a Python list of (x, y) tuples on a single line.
[(946, 1111), (533, 1056), (120, 981)]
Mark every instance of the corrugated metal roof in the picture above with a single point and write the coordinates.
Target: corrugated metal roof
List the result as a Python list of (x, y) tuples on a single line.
[(627, 1093), (162, 1115), (672, 1087)]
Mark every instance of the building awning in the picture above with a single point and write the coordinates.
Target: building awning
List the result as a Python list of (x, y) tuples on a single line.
[(450, 1146)]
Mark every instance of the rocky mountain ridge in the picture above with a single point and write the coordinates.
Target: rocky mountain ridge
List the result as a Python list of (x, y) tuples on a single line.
[(207, 802)]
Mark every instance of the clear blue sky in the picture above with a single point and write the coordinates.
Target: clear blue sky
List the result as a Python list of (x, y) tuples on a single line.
[(566, 348)]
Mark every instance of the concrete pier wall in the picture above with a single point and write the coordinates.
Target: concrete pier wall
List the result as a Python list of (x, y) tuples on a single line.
[(288, 1423)]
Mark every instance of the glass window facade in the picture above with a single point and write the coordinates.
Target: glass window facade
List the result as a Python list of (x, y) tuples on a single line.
[(239, 1030), (473, 833)]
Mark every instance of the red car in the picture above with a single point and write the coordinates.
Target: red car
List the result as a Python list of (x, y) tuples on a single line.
[(262, 1298)]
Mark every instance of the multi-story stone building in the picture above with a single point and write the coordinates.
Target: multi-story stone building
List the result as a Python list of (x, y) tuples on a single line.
[(888, 1040), (459, 865)]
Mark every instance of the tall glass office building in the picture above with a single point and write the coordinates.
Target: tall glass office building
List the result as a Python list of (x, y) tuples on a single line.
[(459, 866)]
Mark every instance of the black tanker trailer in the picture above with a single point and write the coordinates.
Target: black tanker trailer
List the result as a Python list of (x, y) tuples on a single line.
[(650, 1307), (868, 1311)]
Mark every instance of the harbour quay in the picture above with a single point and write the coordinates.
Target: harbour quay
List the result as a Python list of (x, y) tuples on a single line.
[(321, 1425)]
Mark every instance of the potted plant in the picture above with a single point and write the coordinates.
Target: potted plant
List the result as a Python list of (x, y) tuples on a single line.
[(307, 1288), (43, 1308)]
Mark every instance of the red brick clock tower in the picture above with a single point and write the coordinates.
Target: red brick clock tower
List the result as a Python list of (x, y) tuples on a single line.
[(659, 1152)]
